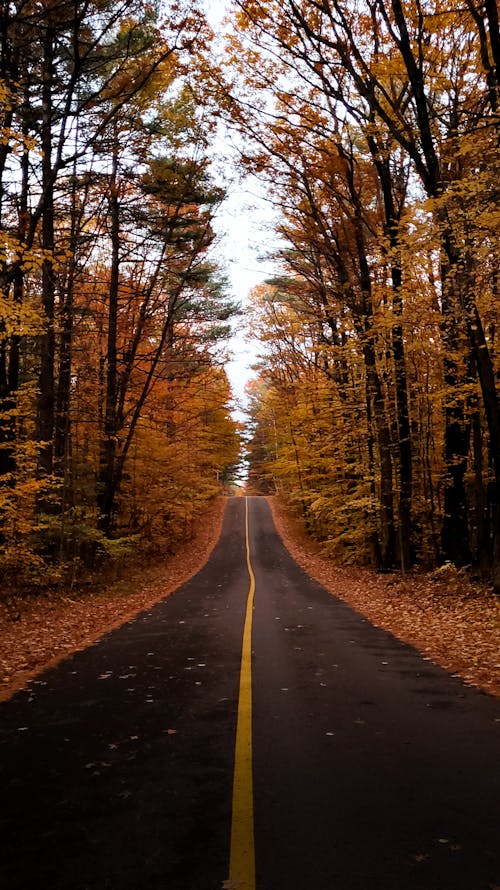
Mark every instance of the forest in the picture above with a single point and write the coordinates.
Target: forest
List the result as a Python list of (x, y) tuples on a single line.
[(373, 127), (376, 408), (115, 425)]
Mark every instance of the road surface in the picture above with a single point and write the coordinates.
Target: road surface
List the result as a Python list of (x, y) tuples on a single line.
[(372, 768)]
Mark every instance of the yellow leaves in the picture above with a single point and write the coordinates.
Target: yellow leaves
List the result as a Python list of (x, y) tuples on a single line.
[(253, 12), (19, 319), (15, 254), (6, 96), (18, 497), (17, 142)]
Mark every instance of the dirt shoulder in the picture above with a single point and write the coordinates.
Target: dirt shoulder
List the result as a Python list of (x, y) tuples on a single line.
[(38, 631), (451, 620)]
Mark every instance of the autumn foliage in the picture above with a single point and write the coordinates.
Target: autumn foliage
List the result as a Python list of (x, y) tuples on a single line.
[(115, 423), (375, 127)]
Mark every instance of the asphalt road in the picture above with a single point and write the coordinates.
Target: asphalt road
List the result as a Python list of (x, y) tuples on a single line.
[(372, 768)]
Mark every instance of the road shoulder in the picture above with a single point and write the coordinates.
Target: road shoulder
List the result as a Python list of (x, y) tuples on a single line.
[(450, 620), (39, 631)]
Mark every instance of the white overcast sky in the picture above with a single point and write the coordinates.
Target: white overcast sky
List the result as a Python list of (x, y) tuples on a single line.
[(244, 225)]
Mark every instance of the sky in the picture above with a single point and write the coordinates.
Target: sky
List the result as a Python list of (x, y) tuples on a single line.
[(244, 226)]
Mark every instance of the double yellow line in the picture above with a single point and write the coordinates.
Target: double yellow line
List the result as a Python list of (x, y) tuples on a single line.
[(242, 854)]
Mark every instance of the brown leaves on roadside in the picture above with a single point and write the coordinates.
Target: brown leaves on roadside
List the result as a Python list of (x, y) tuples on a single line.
[(38, 630), (450, 618)]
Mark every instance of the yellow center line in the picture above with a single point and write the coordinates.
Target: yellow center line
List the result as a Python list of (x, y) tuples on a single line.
[(242, 855)]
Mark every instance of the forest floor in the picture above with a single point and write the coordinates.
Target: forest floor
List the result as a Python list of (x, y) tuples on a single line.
[(452, 620)]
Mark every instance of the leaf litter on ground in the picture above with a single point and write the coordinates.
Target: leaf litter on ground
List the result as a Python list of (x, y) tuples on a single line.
[(447, 615), (38, 630), (450, 618)]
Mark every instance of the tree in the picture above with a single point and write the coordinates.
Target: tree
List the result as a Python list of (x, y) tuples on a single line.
[(107, 292), (409, 79)]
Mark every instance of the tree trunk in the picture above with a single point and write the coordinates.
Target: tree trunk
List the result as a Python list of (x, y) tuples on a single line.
[(9, 346), (106, 490), (460, 284), (374, 389), (455, 530), (366, 333), (481, 541), (398, 351), (45, 401), (62, 431), (371, 514)]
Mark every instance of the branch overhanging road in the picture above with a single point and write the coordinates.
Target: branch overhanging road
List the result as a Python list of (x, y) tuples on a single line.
[(373, 769)]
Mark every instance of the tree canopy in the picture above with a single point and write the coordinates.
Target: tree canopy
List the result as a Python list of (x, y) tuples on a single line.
[(114, 404), (376, 127)]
